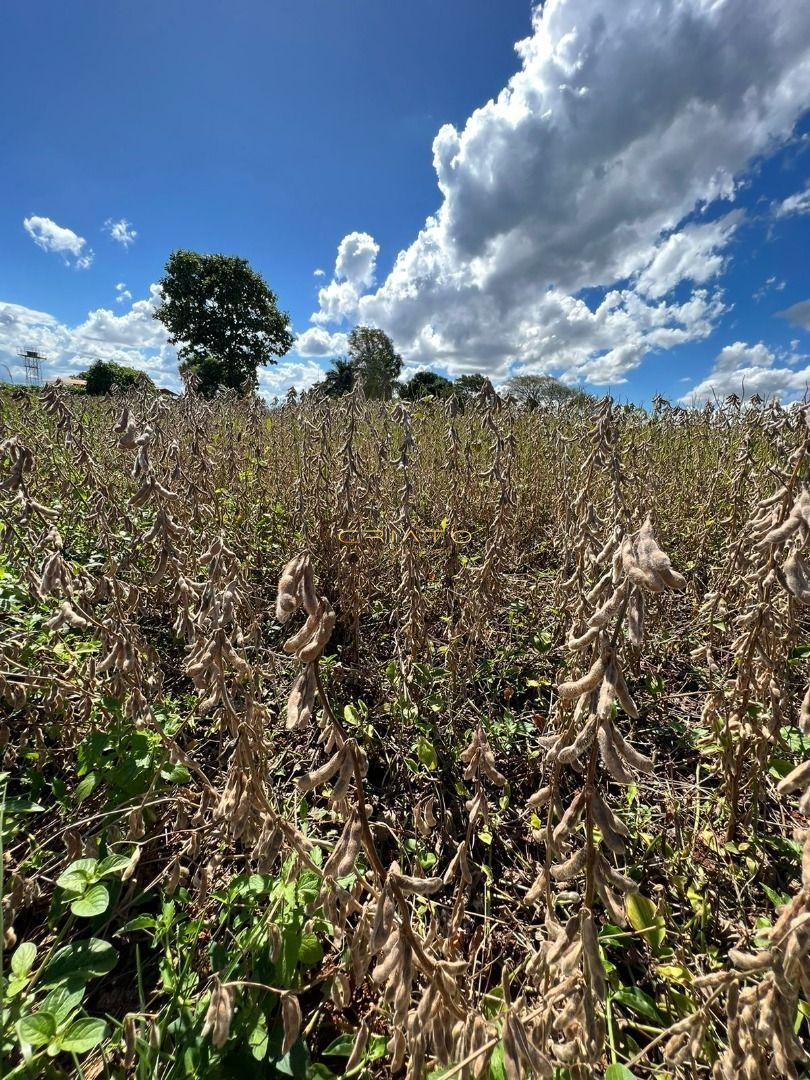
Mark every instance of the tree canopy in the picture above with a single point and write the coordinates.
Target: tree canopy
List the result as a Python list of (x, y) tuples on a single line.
[(544, 390), (224, 318), (339, 380), (105, 375), (424, 383), (469, 385), (374, 361)]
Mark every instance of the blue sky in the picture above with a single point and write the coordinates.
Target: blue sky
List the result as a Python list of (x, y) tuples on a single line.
[(622, 201)]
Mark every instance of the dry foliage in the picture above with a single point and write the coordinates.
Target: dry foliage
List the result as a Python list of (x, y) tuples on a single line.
[(543, 760)]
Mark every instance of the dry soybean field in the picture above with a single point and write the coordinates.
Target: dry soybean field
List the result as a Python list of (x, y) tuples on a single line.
[(364, 739)]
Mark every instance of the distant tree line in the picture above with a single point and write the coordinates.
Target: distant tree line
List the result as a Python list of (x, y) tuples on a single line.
[(373, 362), (225, 322)]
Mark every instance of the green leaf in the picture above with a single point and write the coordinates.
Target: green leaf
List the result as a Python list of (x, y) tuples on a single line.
[(38, 1029), (310, 952), (350, 715), (294, 1063), (94, 902), (86, 787), (288, 961), (113, 864), (802, 1014), (176, 774), (643, 917), (427, 860), (614, 937), (640, 1003), (16, 985), (674, 973), (426, 752), (340, 1047), (23, 959), (63, 1000), (140, 922), (87, 959), (776, 898), (78, 875), (258, 1039), (84, 1034), (376, 1047), (619, 1072), (779, 768), (685, 1004), (492, 1002), (22, 806), (497, 1068)]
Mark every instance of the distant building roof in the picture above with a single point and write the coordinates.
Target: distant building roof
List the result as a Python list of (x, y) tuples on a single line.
[(68, 380)]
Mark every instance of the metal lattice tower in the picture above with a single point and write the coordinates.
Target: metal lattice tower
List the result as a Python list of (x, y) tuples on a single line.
[(31, 361)]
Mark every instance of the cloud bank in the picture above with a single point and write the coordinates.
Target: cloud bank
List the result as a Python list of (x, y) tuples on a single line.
[(600, 166), (134, 338), (746, 370)]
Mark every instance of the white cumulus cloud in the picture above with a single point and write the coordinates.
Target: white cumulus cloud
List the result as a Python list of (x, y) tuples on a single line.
[(122, 293), (354, 272), (592, 169), (136, 329), (357, 259), (337, 301), (133, 338), (121, 231), (275, 380), (746, 370), (319, 342), (692, 254), (49, 236)]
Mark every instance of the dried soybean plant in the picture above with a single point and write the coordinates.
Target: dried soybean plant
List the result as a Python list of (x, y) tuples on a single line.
[(144, 535), (382, 939), (762, 1042), (351, 496), (759, 595), (408, 614), (478, 587), (612, 578)]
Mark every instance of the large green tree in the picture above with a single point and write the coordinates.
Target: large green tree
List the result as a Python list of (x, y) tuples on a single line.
[(224, 318), (104, 375), (375, 361), (424, 383)]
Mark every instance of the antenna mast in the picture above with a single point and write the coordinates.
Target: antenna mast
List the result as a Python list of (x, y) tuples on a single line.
[(32, 361)]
